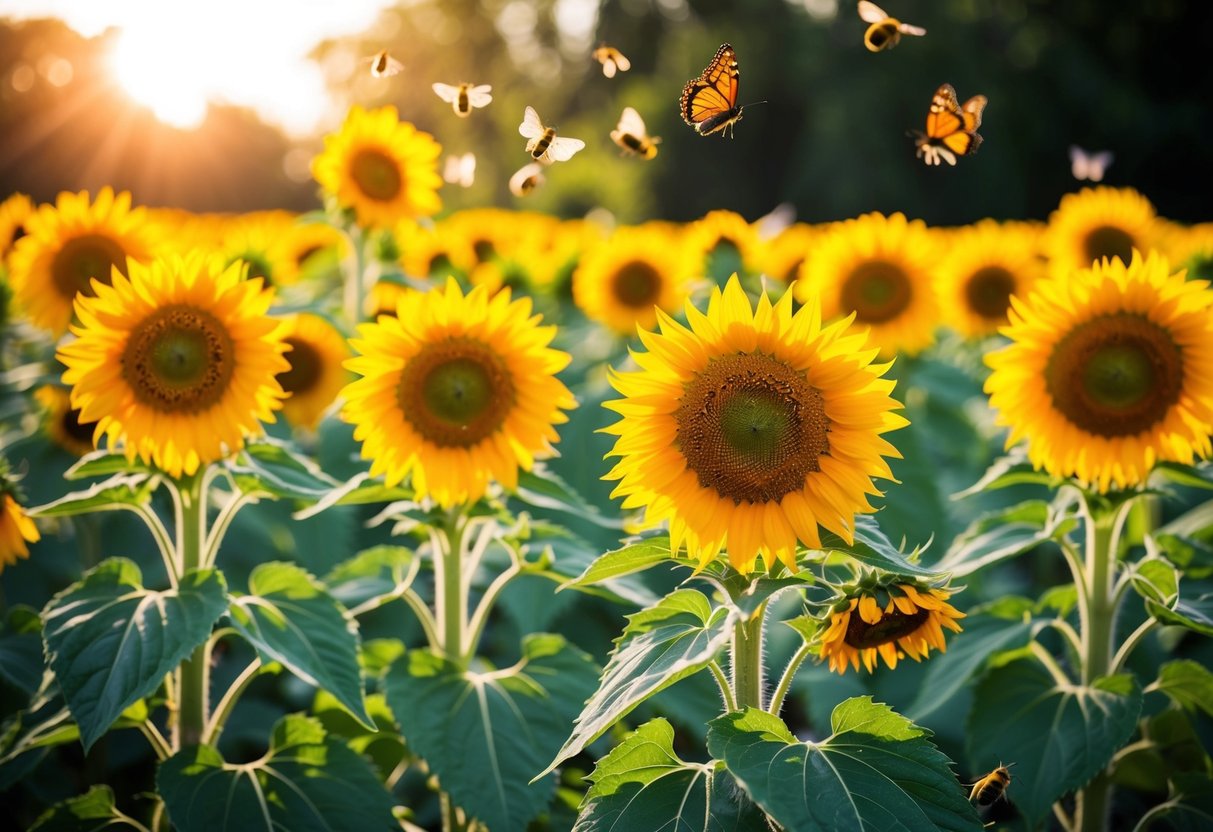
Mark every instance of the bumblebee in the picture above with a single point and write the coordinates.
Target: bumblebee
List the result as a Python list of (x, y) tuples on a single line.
[(991, 787), (885, 32)]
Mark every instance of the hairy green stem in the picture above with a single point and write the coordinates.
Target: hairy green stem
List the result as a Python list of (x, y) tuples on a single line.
[(193, 677), (354, 278), (785, 681), (747, 660), (450, 595)]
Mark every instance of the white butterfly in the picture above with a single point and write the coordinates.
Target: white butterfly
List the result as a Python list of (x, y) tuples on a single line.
[(543, 144), (526, 179), (464, 97), (460, 170), (1089, 165)]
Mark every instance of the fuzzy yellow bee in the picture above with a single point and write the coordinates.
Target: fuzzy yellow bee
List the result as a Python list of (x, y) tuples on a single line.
[(991, 787), (464, 97), (383, 65), (611, 59), (632, 136), (543, 144), (885, 32), (526, 179)]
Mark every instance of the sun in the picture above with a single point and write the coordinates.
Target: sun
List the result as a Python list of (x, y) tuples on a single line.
[(155, 74)]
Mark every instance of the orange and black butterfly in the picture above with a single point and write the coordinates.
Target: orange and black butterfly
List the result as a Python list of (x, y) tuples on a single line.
[(951, 128), (709, 102)]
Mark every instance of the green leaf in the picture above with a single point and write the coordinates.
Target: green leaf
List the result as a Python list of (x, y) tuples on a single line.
[(306, 783), (635, 557), (562, 556), (1189, 808), (486, 734), (877, 771), (45, 723), (1003, 534), (90, 812), (106, 462), (668, 641), (873, 548), (642, 786), (378, 572), (1189, 683), (115, 493), (542, 488), (271, 467), (1059, 737), (1012, 469), (384, 748), (1193, 476), (1155, 579), (111, 642), (290, 618), (1195, 614), (21, 649), (360, 489), (1193, 556)]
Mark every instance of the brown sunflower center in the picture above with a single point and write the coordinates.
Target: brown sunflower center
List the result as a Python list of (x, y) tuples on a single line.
[(1108, 241), (179, 359), (484, 250), (72, 427), (440, 265), (891, 626), (305, 254), (456, 392), (876, 291), (1115, 375), (988, 292), (376, 174), (751, 427), (83, 258), (636, 284), (306, 366)]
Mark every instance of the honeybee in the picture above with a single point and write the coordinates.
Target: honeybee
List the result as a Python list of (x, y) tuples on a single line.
[(611, 59), (526, 179), (991, 787), (1084, 165), (543, 144), (464, 97), (885, 32), (632, 137), (460, 170), (383, 65)]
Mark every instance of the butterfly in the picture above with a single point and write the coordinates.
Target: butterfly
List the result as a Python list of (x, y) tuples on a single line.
[(383, 65), (464, 97), (1091, 166), (526, 179), (885, 32), (611, 59), (632, 137), (709, 102), (544, 145), (460, 170), (951, 129)]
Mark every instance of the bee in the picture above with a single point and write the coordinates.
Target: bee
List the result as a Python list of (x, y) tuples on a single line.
[(991, 787), (632, 137), (460, 170), (464, 97), (1084, 165), (526, 179), (885, 32), (383, 65), (543, 144), (611, 59)]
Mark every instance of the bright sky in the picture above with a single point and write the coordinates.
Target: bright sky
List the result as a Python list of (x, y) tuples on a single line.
[(175, 56)]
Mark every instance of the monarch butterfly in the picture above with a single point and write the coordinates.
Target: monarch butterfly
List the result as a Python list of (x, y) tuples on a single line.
[(632, 137), (464, 97), (1091, 166), (526, 179), (709, 102), (383, 65), (951, 129), (885, 32), (544, 145), (611, 59), (460, 170)]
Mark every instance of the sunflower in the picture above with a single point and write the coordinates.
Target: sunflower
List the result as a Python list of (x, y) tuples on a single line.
[(751, 428), (984, 266), (624, 281), (782, 256), (62, 422), (1109, 371), (887, 621), (260, 240), (16, 528), (384, 298), (381, 167), (178, 362), (1096, 223), (433, 252), (14, 211), (721, 243), (1193, 249), (316, 376), (455, 391), (311, 247), (72, 246), (879, 269)]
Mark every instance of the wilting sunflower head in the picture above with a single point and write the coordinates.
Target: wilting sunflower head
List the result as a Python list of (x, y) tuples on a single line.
[(317, 350), (751, 428), (456, 391), (880, 269), (887, 619), (70, 248), (381, 167), (61, 421), (16, 528), (1109, 372), (984, 266), (624, 280), (178, 362), (1096, 223)]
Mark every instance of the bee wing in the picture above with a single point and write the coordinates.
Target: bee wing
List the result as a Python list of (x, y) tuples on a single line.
[(446, 92), (871, 13), (563, 148), (631, 122), (608, 67), (907, 29), (621, 61), (531, 127), (479, 96), (518, 182)]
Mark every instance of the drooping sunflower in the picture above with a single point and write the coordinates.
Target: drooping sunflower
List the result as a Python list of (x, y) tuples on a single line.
[(456, 391), (1110, 370), (16, 528), (624, 281), (69, 245), (316, 376), (1096, 223), (889, 621), (879, 268), (752, 428), (178, 362), (14, 211), (722, 242), (62, 422), (383, 168), (984, 266)]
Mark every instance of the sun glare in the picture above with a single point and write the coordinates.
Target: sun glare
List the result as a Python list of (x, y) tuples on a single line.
[(155, 74)]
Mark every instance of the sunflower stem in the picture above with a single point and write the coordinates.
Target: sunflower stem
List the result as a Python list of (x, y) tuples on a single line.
[(354, 277), (450, 596), (785, 681), (747, 660), (193, 677)]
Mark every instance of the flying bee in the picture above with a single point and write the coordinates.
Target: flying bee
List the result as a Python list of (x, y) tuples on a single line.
[(885, 32), (632, 137), (460, 170), (1084, 165), (611, 59), (464, 97), (383, 65), (526, 179), (991, 787), (543, 144)]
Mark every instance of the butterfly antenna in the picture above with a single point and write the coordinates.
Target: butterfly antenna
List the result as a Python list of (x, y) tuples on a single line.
[(755, 103)]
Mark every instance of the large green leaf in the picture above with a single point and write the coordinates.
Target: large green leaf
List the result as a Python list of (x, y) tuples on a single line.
[(106, 462), (542, 488), (306, 783), (21, 649), (632, 558), (90, 812), (117, 492), (1006, 533), (378, 572), (290, 618), (1194, 614), (877, 772), (1189, 683), (486, 734), (873, 548), (271, 467), (360, 489), (1006, 471), (111, 642), (669, 641), (1189, 807), (643, 786), (1059, 737)]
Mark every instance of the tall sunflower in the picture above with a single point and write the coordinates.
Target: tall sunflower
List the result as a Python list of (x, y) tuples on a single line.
[(317, 350), (623, 281), (1110, 370), (16, 528), (879, 269), (178, 363), (751, 428), (381, 167), (456, 391), (14, 211), (1096, 223), (984, 266), (71, 244)]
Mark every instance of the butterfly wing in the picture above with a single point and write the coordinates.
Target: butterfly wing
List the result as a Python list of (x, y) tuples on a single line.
[(944, 118), (972, 112), (871, 13), (531, 127), (713, 93), (446, 92), (563, 148), (480, 96)]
